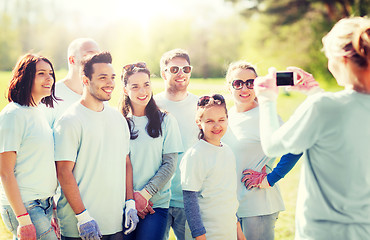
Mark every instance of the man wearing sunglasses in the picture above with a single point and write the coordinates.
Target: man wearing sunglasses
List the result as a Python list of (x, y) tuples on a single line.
[(176, 72)]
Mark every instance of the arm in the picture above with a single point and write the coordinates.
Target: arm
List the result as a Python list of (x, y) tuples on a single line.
[(286, 163), (157, 182), (26, 229), (164, 173), (239, 232), (129, 179), (9, 182), (86, 225), (193, 215), (69, 185), (253, 179)]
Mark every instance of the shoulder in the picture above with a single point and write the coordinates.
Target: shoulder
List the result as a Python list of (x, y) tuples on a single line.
[(159, 97), (192, 97), (13, 112)]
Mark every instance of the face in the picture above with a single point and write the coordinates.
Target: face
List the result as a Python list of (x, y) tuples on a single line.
[(43, 81), (87, 48), (139, 89), (214, 124), (176, 82), (243, 96), (102, 82)]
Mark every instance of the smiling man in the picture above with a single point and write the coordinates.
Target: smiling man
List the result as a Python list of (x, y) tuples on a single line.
[(92, 159), (176, 72)]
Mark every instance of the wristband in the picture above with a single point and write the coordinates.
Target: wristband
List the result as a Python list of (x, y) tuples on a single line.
[(25, 214)]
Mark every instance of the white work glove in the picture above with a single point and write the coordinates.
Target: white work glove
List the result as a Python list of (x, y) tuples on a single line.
[(305, 84), (131, 218), (26, 230), (265, 87), (87, 226)]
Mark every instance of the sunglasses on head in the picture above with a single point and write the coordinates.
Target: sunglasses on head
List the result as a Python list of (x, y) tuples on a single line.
[(131, 67), (238, 84), (176, 69), (217, 98)]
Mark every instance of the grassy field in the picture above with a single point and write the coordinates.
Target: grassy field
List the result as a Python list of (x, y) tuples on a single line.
[(287, 103)]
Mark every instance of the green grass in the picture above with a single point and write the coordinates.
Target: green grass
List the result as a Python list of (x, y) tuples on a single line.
[(286, 106)]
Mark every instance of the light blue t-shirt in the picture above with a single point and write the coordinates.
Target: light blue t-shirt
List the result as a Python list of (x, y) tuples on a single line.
[(67, 98), (25, 130), (211, 171), (334, 190), (243, 137), (98, 143), (184, 111), (146, 155)]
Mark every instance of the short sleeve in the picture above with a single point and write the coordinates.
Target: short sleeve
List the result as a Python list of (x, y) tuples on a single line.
[(66, 139), (193, 171), (172, 142), (12, 129)]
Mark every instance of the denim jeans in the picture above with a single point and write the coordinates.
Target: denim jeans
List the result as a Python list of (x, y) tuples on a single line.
[(176, 220), (152, 227), (40, 211), (259, 227), (116, 236)]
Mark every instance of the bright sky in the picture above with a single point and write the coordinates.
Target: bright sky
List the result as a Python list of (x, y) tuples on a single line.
[(144, 11)]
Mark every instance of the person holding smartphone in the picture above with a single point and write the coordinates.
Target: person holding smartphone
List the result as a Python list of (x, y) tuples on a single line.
[(258, 207), (332, 129)]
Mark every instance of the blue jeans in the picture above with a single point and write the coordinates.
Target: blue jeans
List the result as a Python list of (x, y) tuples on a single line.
[(152, 227), (116, 236), (259, 227), (40, 211), (176, 220)]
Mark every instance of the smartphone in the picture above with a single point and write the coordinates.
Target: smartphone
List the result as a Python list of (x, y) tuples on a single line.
[(286, 78)]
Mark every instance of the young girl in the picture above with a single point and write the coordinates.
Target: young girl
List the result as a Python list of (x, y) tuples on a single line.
[(27, 170), (208, 176), (155, 143)]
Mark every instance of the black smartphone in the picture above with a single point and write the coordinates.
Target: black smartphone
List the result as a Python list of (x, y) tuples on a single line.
[(286, 78)]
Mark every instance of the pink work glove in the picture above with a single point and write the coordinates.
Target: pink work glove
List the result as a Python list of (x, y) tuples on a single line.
[(55, 222), (265, 87), (254, 179), (27, 232), (141, 200), (305, 84), (147, 210)]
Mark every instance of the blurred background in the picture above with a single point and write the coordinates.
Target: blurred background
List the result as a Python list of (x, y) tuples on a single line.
[(215, 32)]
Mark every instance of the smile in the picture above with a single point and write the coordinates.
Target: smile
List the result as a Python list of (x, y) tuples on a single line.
[(108, 90), (244, 95), (217, 131), (46, 86), (142, 98)]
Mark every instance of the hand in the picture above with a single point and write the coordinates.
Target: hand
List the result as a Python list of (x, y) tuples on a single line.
[(131, 218), (201, 237), (55, 222), (141, 199), (147, 210), (265, 87), (88, 228), (26, 230), (306, 83), (255, 179)]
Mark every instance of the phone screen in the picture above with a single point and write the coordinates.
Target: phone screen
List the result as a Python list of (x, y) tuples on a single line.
[(284, 79)]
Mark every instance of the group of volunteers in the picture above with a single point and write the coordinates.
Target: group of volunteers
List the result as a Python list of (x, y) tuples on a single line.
[(73, 167)]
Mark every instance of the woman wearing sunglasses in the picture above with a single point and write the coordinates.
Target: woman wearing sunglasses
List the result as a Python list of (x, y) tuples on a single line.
[(333, 130), (154, 146), (27, 170), (258, 207)]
